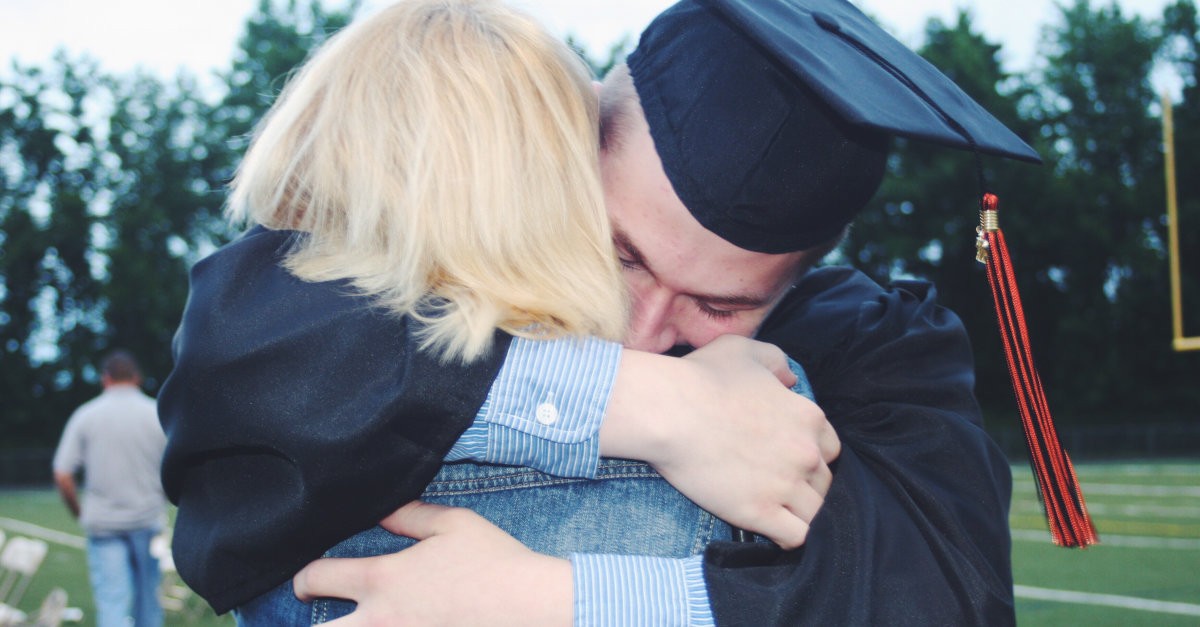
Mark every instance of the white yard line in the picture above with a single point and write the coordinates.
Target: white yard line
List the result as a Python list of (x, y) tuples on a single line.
[(1127, 470), (1128, 511), (1108, 600), (1108, 539), (1139, 511), (1127, 489), (1144, 470), (49, 535)]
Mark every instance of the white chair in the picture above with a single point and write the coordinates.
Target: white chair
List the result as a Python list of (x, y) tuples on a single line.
[(160, 548), (11, 616), (19, 561), (52, 611)]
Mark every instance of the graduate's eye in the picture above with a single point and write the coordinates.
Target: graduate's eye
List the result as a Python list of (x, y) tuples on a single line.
[(713, 313), (629, 264)]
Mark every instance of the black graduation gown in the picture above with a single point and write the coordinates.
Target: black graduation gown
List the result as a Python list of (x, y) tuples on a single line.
[(914, 530), (296, 416)]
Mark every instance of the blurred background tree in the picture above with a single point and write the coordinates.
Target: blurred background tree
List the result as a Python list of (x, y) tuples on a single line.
[(114, 185), (1087, 229)]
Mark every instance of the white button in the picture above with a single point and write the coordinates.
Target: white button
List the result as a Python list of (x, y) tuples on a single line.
[(547, 414)]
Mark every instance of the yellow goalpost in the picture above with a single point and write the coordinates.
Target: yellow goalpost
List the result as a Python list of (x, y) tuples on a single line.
[(1179, 342)]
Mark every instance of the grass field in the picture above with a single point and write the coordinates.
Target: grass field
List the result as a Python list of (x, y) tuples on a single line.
[(1145, 572), (65, 565)]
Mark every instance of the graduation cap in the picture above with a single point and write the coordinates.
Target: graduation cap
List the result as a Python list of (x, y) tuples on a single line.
[(772, 119)]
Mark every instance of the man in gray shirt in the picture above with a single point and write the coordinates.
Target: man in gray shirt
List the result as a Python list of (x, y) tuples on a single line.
[(117, 441)]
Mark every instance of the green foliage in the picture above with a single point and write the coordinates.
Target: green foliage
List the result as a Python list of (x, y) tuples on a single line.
[(50, 293), (278, 37), (1086, 230), (160, 204), (923, 220), (600, 67), (113, 187)]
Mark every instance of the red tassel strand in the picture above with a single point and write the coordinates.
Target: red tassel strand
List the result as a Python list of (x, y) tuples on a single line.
[(1066, 512)]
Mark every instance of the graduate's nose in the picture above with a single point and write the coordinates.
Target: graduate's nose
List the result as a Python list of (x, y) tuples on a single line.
[(652, 328)]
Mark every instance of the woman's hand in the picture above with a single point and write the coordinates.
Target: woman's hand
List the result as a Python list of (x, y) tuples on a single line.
[(723, 427), (463, 571)]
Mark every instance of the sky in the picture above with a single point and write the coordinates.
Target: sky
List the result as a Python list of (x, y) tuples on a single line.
[(164, 36)]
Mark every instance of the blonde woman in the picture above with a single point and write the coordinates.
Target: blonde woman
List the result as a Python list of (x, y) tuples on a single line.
[(425, 189)]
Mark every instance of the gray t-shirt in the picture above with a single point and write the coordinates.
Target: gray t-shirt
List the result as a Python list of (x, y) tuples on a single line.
[(117, 440)]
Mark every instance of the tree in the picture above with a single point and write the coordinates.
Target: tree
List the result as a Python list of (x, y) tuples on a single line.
[(276, 40), (50, 323), (1107, 202), (600, 67), (1086, 229), (113, 187), (1182, 49), (160, 203)]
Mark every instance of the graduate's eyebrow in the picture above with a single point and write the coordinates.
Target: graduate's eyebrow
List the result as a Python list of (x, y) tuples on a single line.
[(746, 301)]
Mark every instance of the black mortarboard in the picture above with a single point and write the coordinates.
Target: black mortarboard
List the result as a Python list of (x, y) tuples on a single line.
[(772, 117)]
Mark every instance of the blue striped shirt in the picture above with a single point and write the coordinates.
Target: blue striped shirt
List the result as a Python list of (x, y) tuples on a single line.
[(630, 591), (545, 408), (544, 411)]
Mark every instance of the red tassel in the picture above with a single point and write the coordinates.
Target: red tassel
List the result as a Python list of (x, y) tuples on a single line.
[(1061, 496)]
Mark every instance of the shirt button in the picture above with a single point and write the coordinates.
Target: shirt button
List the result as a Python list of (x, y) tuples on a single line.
[(547, 414)]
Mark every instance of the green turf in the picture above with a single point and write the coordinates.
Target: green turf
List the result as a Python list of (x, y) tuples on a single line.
[(66, 566), (1147, 500)]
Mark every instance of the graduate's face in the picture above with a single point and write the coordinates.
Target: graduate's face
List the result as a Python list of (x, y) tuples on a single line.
[(688, 285)]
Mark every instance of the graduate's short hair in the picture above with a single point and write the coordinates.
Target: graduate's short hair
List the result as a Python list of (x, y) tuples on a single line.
[(618, 103), (442, 155), (119, 366)]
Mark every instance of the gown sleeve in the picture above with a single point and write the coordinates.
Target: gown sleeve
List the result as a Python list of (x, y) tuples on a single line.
[(914, 530), (297, 414)]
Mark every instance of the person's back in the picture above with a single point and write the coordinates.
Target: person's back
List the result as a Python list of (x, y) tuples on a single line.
[(116, 440)]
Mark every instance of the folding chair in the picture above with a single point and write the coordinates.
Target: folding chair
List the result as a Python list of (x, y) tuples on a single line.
[(19, 561), (53, 610)]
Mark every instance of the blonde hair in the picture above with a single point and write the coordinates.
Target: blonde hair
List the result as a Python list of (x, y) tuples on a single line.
[(442, 155)]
